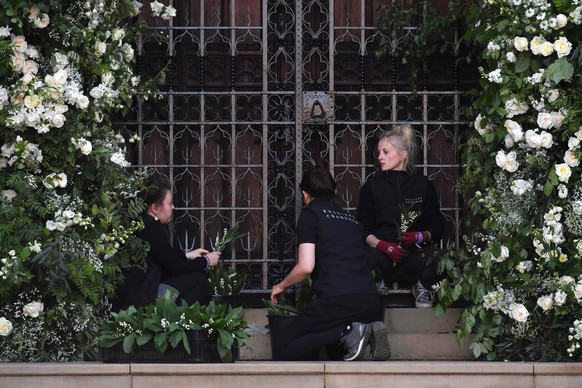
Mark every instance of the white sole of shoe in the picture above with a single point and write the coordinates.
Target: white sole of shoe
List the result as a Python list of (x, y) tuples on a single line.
[(361, 346)]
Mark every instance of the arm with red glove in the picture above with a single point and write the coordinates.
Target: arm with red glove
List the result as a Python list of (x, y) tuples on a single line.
[(392, 250), (414, 238)]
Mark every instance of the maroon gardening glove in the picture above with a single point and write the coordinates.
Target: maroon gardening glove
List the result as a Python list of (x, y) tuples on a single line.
[(393, 251), (413, 238)]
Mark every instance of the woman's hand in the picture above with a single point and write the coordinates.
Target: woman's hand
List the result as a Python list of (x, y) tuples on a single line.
[(213, 258), (196, 253), (277, 290)]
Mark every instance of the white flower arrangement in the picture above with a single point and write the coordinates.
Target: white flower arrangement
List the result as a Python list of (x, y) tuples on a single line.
[(530, 199), (65, 68)]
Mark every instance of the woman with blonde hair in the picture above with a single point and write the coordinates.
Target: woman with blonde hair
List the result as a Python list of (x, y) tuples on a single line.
[(401, 215)]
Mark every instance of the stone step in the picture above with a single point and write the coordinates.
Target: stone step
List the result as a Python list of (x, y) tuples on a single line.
[(414, 334), (266, 374)]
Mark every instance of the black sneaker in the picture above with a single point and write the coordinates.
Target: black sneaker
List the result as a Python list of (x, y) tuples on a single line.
[(422, 296), (356, 341), (379, 345)]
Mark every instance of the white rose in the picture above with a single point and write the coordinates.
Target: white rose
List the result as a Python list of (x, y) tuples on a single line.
[(8, 195), (533, 139), (545, 302), (573, 142), (566, 279), (545, 120), (30, 67), (553, 96), (5, 327), (42, 21), (62, 180), (570, 159), (520, 43), (60, 108), (546, 49), (100, 47), (507, 162), (60, 77), (578, 291), (32, 52), (128, 52), (84, 146), (58, 120), (514, 129), (546, 139), (558, 119), (117, 34), (33, 13), (563, 172), (61, 59), (562, 47), (26, 78), (33, 309), (518, 312), (20, 44), (82, 102), (17, 62), (32, 101), (535, 44), (502, 256), (561, 20)]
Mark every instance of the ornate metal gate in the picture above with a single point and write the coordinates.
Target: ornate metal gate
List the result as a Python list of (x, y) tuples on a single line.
[(257, 89)]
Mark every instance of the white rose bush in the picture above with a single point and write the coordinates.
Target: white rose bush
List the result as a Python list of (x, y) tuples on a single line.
[(520, 266), (69, 205)]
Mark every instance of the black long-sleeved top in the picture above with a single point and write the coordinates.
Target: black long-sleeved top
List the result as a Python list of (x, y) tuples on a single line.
[(163, 262), (380, 199)]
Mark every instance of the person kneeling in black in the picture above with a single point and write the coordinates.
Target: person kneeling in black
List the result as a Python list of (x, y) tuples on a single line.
[(330, 250), (166, 267)]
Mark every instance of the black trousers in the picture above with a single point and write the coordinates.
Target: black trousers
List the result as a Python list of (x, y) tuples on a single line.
[(194, 287), (421, 264), (321, 322)]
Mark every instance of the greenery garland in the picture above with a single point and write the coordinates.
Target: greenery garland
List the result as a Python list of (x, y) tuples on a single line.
[(68, 203), (522, 268)]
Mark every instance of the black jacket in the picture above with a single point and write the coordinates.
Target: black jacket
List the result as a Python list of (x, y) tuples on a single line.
[(380, 198), (163, 262)]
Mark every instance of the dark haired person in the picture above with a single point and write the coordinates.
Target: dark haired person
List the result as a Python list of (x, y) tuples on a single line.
[(330, 250), (405, 256), (166, 266)]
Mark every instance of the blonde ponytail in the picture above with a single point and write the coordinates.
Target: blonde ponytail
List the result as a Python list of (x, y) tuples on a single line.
[(402, 137)]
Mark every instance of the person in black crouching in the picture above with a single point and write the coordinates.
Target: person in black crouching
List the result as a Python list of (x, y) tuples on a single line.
[(166, 267), (401, 215), (330, 250)]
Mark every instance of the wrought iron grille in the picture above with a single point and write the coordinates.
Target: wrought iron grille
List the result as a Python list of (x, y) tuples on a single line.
[(236, 122)]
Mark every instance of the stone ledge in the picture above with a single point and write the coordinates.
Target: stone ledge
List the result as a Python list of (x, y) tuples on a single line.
[(305, 374)]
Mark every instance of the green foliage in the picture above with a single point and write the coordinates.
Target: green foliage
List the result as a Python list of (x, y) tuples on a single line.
[(225, 279), (68, 204), (167, 324), (281, 308), (519, 273), (414, 30)]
